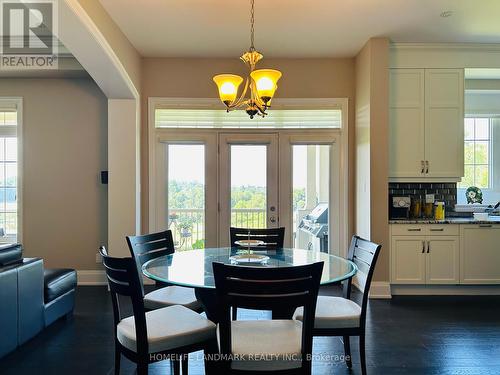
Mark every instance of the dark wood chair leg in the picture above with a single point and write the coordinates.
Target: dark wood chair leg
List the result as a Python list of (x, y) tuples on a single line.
[(117, 360), (185, 364), (362, 353), (347, 351), (177, 366), (211, 363), (142, 368), (234, 313)]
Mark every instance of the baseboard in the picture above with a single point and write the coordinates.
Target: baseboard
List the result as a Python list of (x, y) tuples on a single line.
[(445, 290), (91, 277), (380, 290)]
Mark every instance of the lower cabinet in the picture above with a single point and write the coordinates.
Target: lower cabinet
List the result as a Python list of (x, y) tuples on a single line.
[(480, 254), (425, 260)]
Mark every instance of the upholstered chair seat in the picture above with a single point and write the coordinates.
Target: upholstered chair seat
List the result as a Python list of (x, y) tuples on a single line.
[(172, 295)]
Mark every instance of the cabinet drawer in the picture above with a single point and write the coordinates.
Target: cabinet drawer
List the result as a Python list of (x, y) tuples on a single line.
[(425, 230)]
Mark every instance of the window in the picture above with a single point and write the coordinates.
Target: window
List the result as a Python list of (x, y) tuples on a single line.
[(477, 154), (9, 122)]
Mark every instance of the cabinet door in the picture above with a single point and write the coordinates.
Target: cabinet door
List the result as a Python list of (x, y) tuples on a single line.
[(480, 254), (408, 260), (443, 260), (406, 123), (444, 122)]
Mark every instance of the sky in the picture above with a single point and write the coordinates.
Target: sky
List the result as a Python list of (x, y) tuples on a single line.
[(248, 164)]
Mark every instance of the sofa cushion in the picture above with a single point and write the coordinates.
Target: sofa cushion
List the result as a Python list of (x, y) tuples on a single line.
[(57, 282), (10, 253)]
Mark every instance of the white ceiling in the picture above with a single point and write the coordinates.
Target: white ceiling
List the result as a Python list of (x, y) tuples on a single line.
[(297, 28)]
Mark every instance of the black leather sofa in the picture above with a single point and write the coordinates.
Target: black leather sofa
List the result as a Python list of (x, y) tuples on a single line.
[(31, 297)]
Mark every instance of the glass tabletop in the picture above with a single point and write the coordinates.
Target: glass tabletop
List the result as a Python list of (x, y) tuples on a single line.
[(193, 268)]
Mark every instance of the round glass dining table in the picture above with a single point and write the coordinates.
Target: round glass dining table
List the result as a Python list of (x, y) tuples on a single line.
[(193, 268)]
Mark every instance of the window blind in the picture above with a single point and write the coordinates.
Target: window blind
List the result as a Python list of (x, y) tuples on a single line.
[(277, 118)]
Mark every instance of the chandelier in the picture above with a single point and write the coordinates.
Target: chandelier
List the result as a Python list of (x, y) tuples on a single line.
[(261, 82)]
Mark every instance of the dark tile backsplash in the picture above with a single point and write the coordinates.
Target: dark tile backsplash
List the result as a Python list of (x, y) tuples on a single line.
[(446, 192)]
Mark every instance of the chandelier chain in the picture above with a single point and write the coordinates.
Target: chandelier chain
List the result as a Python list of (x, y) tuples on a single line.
[(252, 28)]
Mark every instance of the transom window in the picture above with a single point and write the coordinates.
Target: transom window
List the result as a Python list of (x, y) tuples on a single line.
[(477, 157)]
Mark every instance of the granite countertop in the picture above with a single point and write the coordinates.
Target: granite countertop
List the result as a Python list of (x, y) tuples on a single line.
[(450, 220)]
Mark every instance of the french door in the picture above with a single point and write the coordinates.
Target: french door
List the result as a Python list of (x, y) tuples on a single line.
[(208, 181), (248, 182)]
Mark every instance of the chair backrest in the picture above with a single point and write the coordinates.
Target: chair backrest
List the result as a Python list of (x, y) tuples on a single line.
[(150, 246), (123, 280), (267, 289), (273, 237), (364, 254)]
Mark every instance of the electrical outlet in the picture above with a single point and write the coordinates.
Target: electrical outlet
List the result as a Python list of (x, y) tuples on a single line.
[(98, 258)]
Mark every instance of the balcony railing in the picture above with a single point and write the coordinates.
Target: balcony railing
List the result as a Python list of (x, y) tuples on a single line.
[(188, 224)]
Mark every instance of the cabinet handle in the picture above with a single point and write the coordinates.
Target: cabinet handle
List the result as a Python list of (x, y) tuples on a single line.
[(437, 230), (427, 166), (423, 247), (485, 225), (423, 166), (428, 246), (414, 229)]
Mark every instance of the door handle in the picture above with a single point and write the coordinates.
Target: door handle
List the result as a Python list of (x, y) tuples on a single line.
[(437, 230), (423, 247), (428, 246), (272, 219), (427, 166), (414, 229), (423, 166)]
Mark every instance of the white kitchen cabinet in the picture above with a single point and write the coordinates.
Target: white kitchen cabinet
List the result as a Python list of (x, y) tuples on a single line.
[(426, 124), (425, 254), (406, 119), (480, 254), (407, 260), (444, 122), (442, 260)]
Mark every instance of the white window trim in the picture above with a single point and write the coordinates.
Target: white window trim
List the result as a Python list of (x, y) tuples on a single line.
[(17, 102), (289, 103)]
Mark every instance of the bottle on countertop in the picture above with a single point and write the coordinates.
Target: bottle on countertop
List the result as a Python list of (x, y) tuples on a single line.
[(439, 211)]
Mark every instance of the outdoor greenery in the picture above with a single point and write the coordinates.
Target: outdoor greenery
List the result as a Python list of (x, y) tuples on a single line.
[(188, 227)]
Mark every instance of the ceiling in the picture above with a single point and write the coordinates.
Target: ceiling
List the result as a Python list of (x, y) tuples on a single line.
[(297, 28)]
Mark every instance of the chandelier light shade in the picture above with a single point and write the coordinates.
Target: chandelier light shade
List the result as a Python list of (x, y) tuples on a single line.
[(260, 84)]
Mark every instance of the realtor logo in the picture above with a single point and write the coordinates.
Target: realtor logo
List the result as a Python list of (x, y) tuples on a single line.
[(27, 35)]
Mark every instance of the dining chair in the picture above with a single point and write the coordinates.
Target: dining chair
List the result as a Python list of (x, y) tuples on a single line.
[(340, 316), (272, 237), (266, 346), (145, 337), (151, 246)]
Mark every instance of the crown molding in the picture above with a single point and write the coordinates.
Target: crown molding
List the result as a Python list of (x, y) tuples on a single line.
[(485, 47)]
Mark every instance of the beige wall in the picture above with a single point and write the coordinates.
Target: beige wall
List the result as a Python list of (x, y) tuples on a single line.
[(192, 78), (65, 148), (372, 117)]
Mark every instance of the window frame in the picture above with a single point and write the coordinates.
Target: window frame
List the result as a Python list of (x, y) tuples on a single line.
[(490, 152), (15, 131)]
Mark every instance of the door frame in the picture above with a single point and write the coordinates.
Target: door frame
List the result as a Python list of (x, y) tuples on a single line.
[(345, 207)]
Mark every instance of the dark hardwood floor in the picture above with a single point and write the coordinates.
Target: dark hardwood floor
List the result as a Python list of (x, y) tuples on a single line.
[(406, 335)]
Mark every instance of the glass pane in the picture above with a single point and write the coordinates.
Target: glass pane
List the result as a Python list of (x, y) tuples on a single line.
[(311, 191), (10, 199), (469, 152), (248, 186), (186, 195), (468, 179), (10, 174), (482, 128), (11, 149), (469, 128), (11, 223), (2, 149), (481, 153), (2, 221), (481, 176), (10, 118)]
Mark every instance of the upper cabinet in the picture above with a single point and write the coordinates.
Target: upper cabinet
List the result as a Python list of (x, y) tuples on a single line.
[(426, 117)]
